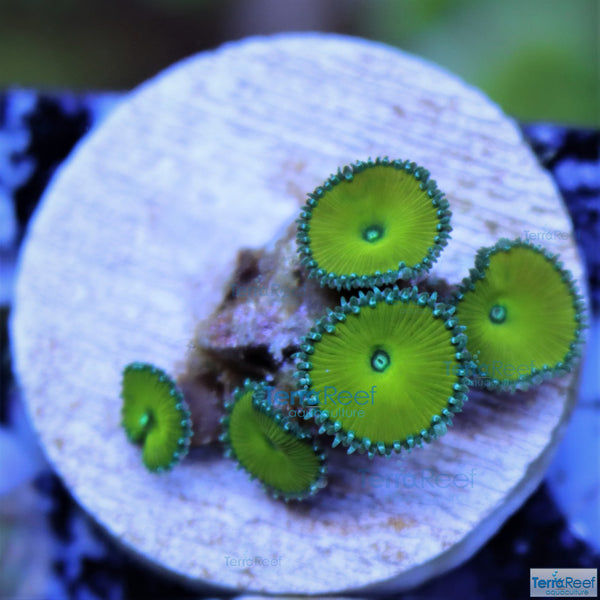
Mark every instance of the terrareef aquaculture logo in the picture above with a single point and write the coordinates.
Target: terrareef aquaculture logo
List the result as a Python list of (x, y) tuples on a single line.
[(564, 583), (336, 402)]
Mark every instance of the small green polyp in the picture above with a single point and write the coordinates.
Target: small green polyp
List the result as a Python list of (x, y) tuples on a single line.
[(380, 360), (373, 233), (270, 447), (155, 415), (373, 223), (523, 313), (395, 359), (498, 314)]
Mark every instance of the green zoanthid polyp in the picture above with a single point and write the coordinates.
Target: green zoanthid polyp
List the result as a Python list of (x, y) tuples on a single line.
[(523, 313), (155, 414), (398, 343), (373, 223), (271, 447)]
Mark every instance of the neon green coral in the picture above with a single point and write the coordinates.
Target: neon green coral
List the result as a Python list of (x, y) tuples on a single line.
[(270, 447), (401, 348), (155, 414), (523, 314), (373, 223)]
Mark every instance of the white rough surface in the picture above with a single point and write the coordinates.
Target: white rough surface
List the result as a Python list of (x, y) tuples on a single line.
[(143, 224)]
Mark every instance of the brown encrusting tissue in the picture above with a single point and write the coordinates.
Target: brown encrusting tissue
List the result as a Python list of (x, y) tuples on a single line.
[(269, 305)]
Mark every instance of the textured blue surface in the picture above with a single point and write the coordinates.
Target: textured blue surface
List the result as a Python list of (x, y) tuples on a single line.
[(77, 560)]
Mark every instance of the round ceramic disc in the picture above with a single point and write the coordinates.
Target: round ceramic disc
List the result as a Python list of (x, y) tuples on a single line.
[(135, 240)]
